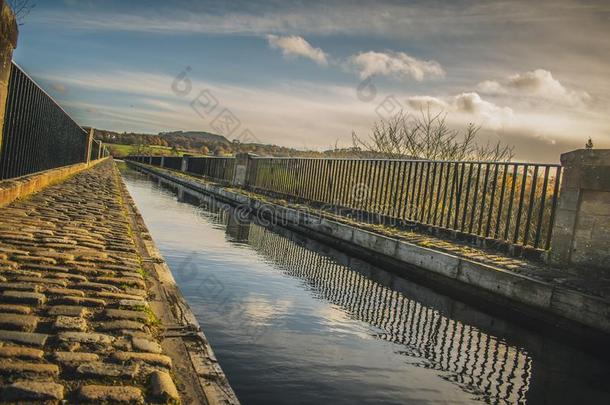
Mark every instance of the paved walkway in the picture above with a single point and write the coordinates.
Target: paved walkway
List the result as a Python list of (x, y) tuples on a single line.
[(75, 322)]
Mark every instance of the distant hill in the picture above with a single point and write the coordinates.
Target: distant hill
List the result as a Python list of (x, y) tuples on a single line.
[(206, 143), (196, 135)]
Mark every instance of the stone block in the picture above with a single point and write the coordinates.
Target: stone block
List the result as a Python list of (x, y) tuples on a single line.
[(20, 368), (26, 338), (150, 358), (507, 284), (110, 394), (33, 391), (21, 352), (429, 259), (20, 297), (70, 323), (375, 242), (25, 323), (99, 369), (84, 337), (162, 387), (145, 345)]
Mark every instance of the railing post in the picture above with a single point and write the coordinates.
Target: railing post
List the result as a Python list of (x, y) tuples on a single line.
[(162, 164), (184, 165), (581, 231), (8, 42), (243, 165), (89, 145)]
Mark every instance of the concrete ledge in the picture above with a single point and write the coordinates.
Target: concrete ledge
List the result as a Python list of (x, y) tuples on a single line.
[(20, 187), (202, 379), (538, 300)]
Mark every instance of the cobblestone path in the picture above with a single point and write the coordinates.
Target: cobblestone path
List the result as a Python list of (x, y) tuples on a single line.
[(75, 322)]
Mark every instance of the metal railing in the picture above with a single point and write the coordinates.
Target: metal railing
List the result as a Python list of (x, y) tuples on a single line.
[(511, 203), (98, 150), (37, 134), (216, 168), (503, 203)]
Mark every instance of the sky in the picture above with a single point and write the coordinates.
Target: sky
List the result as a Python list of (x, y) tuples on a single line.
[(307, 74)]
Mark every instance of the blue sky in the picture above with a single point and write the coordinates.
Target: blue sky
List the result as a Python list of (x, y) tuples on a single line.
[(532, 74)]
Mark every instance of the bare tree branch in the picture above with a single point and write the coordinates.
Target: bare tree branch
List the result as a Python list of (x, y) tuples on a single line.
[(427, 136), (21, 8)]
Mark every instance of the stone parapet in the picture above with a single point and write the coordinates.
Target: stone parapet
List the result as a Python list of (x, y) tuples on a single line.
[(581, 233)]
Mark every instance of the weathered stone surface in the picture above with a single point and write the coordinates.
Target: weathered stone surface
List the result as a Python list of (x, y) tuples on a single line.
[(24, 368), (100, 369), (21, 273), (21, 297), (70, 323), (75, 358), (66, 256), (65, 292), (162, 387), (43, 280), (31, 287), (133, 304), (71, 300), (33, 339), (15, 309), (98, 286), (150, 358), (68, 310), (123, 281), (118, 296), (126, 314), (21, 352), (33, 390), (84, 337), (145, 345), (26, 323), (122, 324), (120, 394)]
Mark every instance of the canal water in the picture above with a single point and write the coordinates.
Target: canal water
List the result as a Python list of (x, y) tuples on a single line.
[(294, 321)]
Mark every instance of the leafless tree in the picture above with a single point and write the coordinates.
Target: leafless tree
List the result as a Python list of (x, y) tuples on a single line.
[(427, 136), (21, 8)]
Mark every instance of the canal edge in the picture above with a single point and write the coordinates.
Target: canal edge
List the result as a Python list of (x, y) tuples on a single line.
[(200, 378), (521, 298)]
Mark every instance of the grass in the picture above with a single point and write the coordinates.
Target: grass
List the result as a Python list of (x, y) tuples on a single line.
[(124, 150)]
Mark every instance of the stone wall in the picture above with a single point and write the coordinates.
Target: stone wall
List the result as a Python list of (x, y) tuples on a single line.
[(581, 235)]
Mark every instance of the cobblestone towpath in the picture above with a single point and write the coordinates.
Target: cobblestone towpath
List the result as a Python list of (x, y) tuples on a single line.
[(75, 319)]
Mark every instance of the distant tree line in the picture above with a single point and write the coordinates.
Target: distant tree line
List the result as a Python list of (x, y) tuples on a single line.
[(204, 143)]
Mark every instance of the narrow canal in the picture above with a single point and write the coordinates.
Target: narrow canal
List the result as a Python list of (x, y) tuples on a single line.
[(294, 321)]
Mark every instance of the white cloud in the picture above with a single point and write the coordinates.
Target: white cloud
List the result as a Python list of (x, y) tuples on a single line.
[(540, 84), (492, 115), (293, 46), (491, 87), (397, 64), (424, 102), (467, 107), (305, 114)]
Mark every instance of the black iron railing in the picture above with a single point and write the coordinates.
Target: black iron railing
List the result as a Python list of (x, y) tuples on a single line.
[(172, 162), (509, 204), (218, 168), (513, 203), (38, 134)]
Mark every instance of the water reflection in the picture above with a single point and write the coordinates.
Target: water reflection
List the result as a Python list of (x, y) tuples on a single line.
[(492, 360)]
